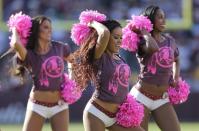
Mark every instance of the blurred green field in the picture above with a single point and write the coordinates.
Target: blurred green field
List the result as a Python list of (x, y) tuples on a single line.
[(185, 126)]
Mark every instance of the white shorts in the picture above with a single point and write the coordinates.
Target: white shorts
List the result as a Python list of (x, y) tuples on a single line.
[(44, 111), (108, 121), (149, 103)]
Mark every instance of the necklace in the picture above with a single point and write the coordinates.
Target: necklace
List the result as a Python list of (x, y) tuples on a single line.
[(44, 51)]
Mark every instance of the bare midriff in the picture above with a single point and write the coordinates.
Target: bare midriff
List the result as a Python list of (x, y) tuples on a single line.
[(153, 89), (111, 107), (46, 96)]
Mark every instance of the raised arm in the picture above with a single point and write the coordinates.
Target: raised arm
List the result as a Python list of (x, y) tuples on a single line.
[(103, 38), (151, 46), (16, 44)]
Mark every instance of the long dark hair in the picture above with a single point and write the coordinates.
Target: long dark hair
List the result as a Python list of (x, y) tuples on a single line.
[(33, 40), (150, 12), (84, 69), (18, 69), (34, 35)]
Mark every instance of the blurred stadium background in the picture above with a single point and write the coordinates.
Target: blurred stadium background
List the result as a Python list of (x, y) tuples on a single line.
[(182, 24)]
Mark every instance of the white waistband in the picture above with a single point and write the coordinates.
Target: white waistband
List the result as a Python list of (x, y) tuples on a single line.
[(149, 103), (99, 114)]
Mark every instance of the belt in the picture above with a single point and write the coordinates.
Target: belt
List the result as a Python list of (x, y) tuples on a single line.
[(108, 113), (47, 104), (153, 97)]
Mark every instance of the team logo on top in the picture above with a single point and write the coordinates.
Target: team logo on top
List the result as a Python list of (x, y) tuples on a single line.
[(124, 74), (164, 57), (121, 76), (53, 66)]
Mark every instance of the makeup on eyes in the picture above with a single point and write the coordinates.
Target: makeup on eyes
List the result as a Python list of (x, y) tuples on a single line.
[(116, 36)]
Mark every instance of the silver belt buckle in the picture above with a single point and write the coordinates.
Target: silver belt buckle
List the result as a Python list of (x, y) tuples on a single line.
[(60, 102), (164, 95)]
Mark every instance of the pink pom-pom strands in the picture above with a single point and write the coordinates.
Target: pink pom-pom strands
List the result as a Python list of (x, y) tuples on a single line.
[(22, 23), (131, 37), (140, 22), (179, 94), (130, 113), (81, 31), (129, 40), (69, 91), (91, 15)]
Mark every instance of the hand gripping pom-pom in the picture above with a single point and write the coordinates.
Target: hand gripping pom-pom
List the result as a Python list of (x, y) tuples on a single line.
[(131, 37), (179, 94), (81, 31), (22, 23)]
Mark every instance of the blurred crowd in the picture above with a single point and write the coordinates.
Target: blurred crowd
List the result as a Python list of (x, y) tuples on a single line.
[(70, 9), (187, 40)]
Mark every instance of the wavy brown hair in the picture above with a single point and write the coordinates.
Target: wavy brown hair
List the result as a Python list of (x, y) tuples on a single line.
[(84, 69)]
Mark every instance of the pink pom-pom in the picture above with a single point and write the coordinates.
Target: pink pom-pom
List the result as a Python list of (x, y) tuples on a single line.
[(22, 23), (79, 33), (91, 15), (130, 113), (141, 22), (131, 39), (179, 94), (69, 91)]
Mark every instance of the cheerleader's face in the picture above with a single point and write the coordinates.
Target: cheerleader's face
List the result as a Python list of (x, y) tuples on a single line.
[(115, 40), (45, 31), (159, 21)]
